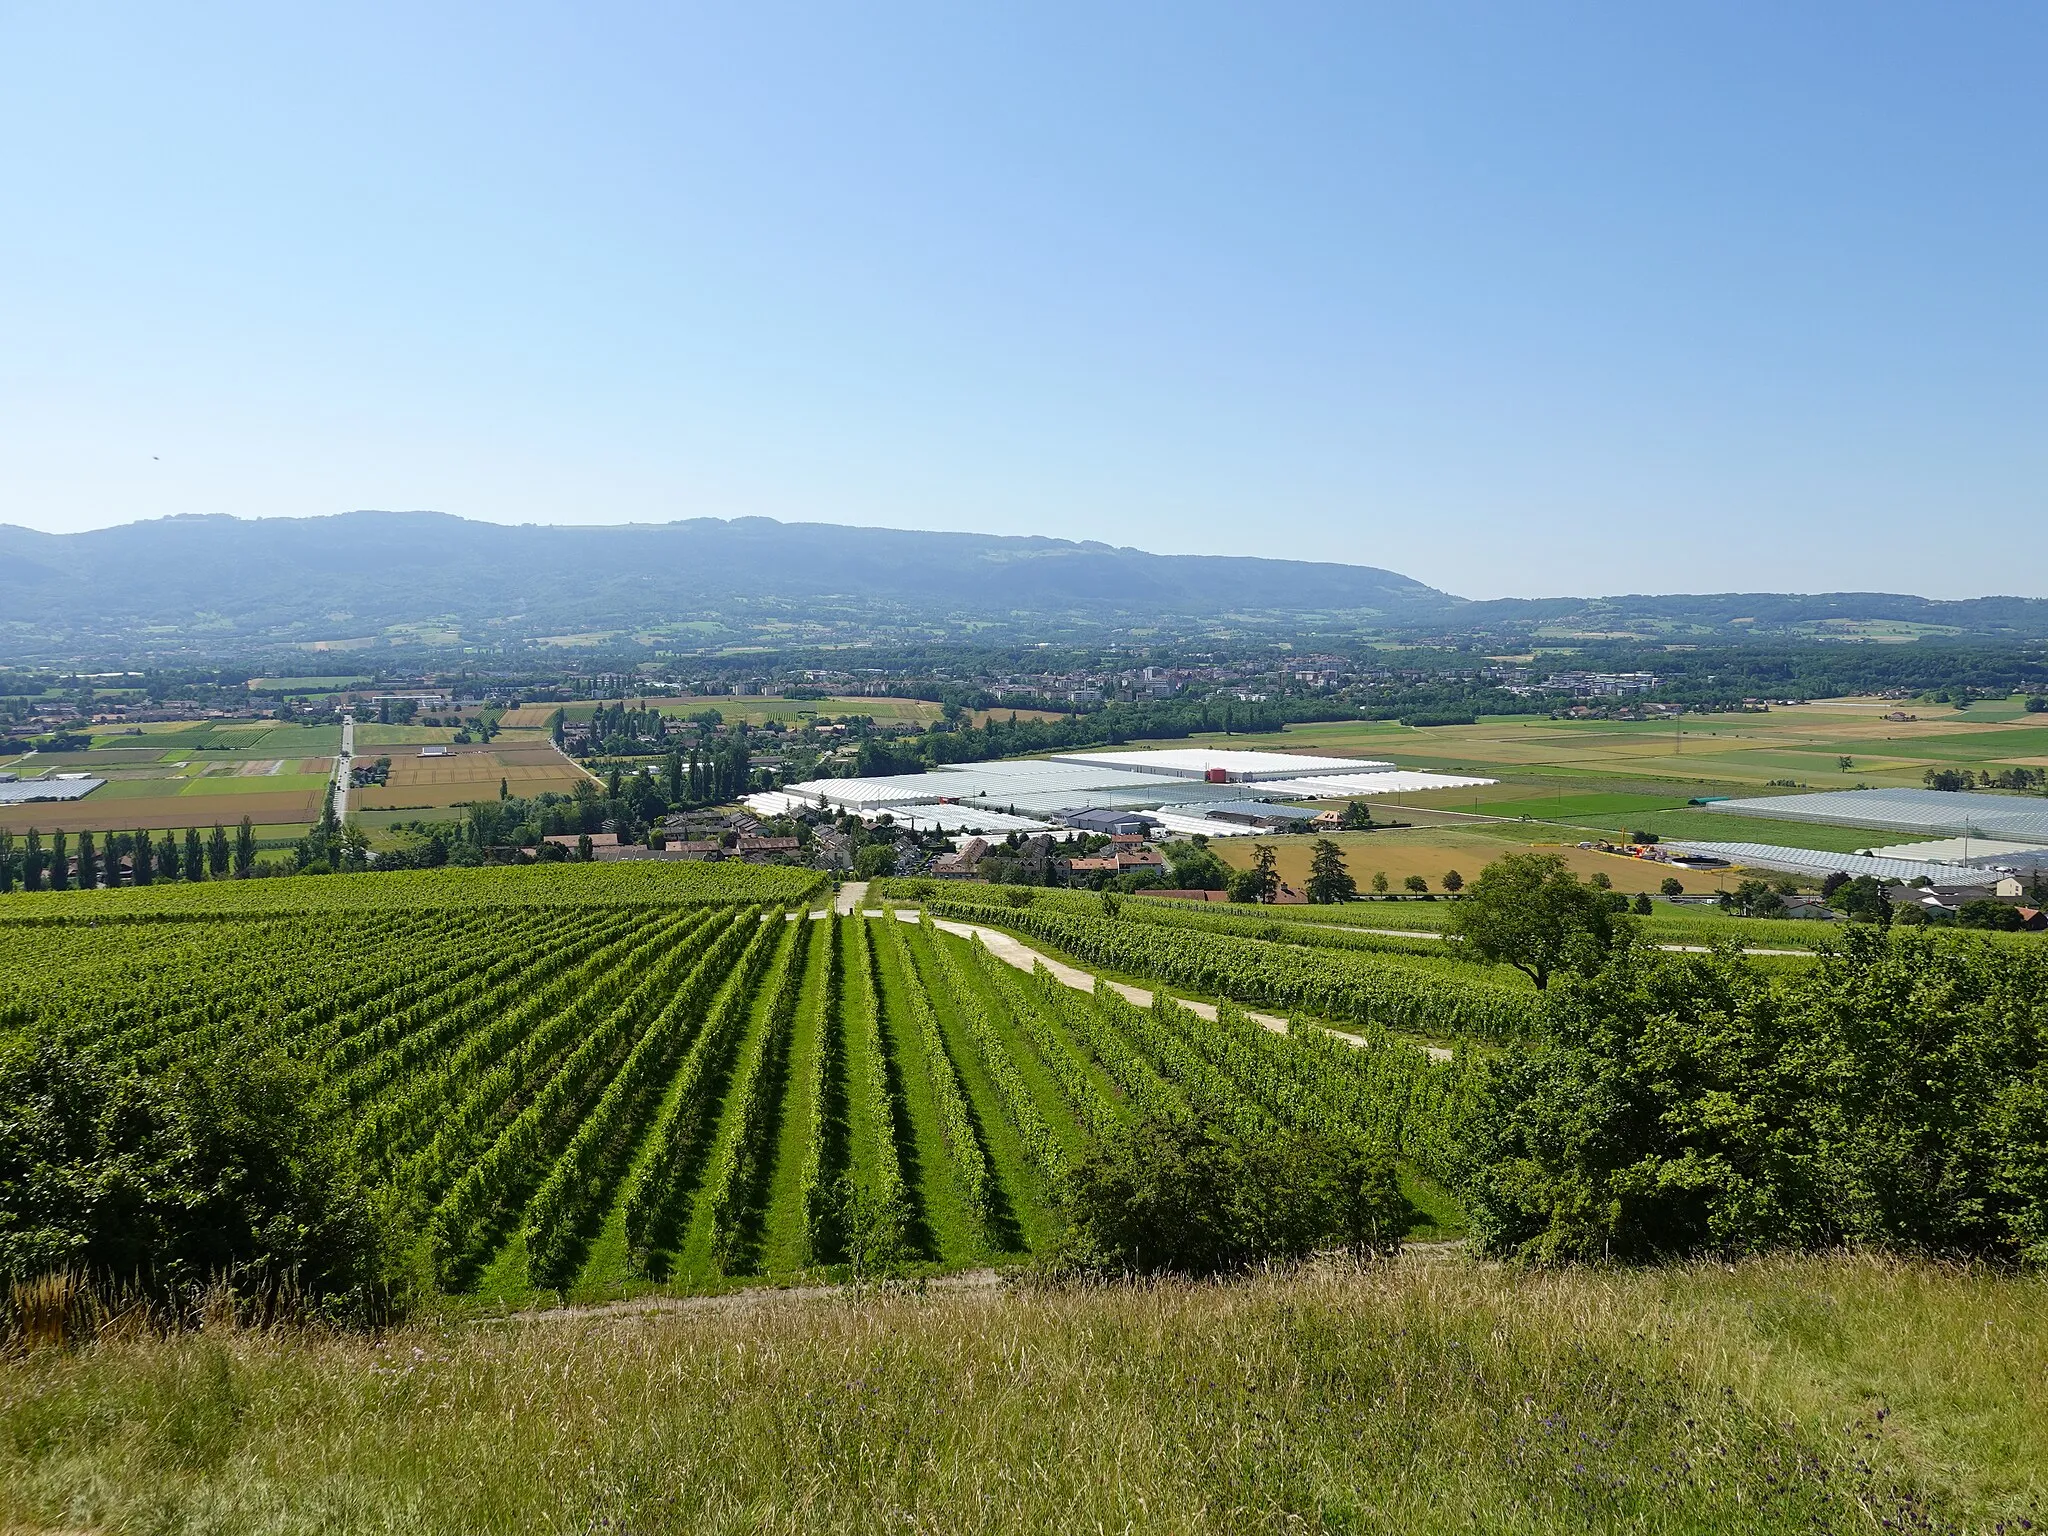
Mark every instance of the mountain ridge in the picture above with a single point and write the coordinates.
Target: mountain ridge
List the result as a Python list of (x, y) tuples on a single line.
[(212, 584)]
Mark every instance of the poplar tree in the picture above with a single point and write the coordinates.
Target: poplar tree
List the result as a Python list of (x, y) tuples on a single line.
[(32, 862), (245, 849), (675, 776), (143, 871), (60, 862), (167, 862), (6, 861), (88, 863), (195, 855), (217, 852)]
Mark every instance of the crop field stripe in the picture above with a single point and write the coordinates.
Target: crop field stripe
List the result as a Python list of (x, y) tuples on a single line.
[(1043, 1099), (516, 976), (1018, 1214), (661, 1204), (1156, 1035), (613, 1259), (797, 1153), (940, 1226), (1354, 987)]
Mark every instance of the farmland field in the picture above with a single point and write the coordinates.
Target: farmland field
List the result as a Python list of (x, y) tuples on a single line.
[(597, 1079), (1703, 754), (466, 774)]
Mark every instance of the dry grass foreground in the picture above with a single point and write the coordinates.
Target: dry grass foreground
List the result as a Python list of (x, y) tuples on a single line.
[(1823, 1394)]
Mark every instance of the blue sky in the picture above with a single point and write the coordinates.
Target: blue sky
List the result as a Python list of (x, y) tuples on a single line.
[(1516, 299)]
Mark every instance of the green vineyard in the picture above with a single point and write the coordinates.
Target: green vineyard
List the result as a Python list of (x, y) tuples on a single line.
[(590, 1078)]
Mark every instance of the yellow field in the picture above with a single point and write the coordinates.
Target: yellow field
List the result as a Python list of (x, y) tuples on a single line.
[(466, 774), (1431, 851), (528, 716)]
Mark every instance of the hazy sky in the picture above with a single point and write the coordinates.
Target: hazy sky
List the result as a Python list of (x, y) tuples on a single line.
[(1516, 298)]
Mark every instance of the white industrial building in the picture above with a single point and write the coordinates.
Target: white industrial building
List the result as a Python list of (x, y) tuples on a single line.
[(1032, 794)]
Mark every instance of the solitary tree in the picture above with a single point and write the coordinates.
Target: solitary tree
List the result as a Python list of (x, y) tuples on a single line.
[(1672, 886), (1262, 880), (1528, 910), (1453, 881), (1379, 882), (1329, 882), (1418, 884)]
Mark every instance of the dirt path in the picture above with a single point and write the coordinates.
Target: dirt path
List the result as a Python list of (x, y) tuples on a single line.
[(1011, 950), (850, 895)]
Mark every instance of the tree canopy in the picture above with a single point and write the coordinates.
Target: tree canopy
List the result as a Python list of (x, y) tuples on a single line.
[(1530, 911)]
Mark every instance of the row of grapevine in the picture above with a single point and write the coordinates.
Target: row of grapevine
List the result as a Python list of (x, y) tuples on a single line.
[(656, 1199), (750, 1106), (430, 1128), (1334, 984), (587, 1170), (886, 1209), (625, 882), (465, 1221), (1097, 1114), (496, 994), (1000, 1064), (814, 1208), (1148, 1093), (970, 1161), (1208, 1092)]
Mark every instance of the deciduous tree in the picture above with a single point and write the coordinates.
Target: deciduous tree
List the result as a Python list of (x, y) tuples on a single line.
[(1528, 910)]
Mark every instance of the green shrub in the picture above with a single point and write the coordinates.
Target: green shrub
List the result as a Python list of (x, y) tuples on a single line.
[(220, 1170), (1894, 1096), (1192, 1199)]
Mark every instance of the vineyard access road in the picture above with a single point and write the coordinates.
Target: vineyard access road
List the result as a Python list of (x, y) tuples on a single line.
[(1008, 948)]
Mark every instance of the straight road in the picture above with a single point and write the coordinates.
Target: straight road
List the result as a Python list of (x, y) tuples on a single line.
[(342, 765)]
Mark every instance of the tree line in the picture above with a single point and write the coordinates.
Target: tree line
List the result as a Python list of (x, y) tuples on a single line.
[(125, 858)]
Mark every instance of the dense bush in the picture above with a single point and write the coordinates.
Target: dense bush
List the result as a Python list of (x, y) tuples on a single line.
[(1893, 1096), (1193, 1199), (217, 1171)]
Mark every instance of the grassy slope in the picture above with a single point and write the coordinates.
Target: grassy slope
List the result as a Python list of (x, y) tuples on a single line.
[(1826, 1394)]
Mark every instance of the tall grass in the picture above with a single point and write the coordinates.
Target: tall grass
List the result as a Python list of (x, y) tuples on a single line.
[(1817, 1394)]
